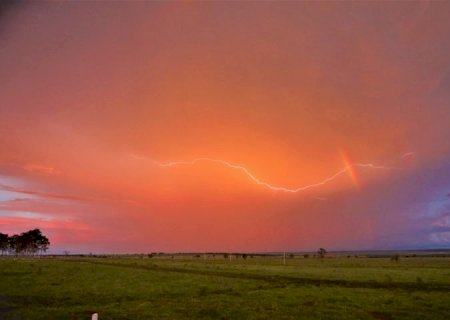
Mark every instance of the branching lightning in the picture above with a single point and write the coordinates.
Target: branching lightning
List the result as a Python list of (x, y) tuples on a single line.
[(267, 185), (407, 155)]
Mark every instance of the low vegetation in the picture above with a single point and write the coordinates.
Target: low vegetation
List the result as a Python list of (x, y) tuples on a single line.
[(225, 286)]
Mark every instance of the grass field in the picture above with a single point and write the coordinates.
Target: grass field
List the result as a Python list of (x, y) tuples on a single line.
[(185, 287)]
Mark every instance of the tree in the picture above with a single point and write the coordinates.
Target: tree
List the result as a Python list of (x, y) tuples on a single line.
[(12, 244), (321, 252), (30, 242), (42, 242), (3, 243), (26, 243)]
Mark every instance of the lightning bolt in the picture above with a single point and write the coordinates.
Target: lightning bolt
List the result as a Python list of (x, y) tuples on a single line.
[(252, 177), (407, 155)]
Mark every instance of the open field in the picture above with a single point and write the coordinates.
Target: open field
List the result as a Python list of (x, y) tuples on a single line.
[(185, 287)]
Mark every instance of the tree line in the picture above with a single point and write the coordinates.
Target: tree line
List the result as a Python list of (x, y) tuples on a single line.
[(27, 243)]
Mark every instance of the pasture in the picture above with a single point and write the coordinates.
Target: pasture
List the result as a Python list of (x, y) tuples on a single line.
[(214, 287)]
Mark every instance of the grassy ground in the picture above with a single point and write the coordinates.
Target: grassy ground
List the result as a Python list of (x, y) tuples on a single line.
[(216, 288)]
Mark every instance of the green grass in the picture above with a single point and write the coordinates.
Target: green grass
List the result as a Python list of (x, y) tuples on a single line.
[(215, 288)]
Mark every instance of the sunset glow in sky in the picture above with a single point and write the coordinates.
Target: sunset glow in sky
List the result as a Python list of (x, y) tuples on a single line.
[(226, 126)]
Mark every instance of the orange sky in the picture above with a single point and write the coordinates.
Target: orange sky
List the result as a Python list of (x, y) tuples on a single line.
[(351, 99)]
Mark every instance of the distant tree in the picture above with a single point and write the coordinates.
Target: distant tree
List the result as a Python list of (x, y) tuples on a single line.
[(28, 243), (244, 256), (36, 242), (321, 252), (43, 243), (3, 243), (13, 244), (225, 255), (395, 258), (306, 256)]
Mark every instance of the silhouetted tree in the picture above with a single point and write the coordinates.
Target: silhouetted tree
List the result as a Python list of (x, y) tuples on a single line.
[(34, 241), (42, 242), (12, 244), (30, 242), (321, 252), (3, 243)]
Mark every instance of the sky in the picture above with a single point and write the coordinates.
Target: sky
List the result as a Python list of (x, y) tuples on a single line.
[(228, 126)]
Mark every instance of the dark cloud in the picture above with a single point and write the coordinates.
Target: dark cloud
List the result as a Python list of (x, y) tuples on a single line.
[(7, 9), (6, 5)]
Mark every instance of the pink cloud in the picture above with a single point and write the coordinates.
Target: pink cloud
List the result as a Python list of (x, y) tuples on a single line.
[(40, 169)]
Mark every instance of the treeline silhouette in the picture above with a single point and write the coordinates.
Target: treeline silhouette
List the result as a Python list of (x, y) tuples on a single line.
[(27, 243)]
